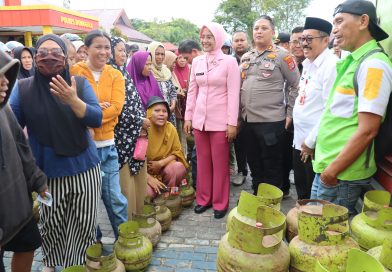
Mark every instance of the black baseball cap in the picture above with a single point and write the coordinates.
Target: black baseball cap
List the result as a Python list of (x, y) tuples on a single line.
[(283, 37), (153, 100), (360, 7)]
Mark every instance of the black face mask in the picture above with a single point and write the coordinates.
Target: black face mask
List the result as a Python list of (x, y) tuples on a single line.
[(50, 65)]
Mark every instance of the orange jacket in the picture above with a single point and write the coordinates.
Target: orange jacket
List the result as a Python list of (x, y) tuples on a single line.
[(110, 88)]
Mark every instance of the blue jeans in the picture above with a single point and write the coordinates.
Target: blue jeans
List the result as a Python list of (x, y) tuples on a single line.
[(115, 202), (345, 193)]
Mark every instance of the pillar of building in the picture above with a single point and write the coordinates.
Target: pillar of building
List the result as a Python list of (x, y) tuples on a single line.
[(47, 30), (28, 39)]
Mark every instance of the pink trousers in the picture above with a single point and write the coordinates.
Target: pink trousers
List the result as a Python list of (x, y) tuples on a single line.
[(213, 180), (172, 175)]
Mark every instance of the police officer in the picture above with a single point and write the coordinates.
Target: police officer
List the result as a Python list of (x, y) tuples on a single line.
[(264, 70)]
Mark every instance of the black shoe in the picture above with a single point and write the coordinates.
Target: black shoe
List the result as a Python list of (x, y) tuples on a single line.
[(201, 208), (219, 214)]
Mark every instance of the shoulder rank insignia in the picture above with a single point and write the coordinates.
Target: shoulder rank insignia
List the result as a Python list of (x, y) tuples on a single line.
[(290, 62), (245, 65), (271, 56)]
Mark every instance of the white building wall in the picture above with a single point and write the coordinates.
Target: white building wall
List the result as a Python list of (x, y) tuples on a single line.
[(59, 3)]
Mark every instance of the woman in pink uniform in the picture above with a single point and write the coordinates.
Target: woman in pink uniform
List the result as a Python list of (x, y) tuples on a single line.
[(212, 111)]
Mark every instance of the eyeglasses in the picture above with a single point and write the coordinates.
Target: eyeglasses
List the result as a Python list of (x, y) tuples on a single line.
[(308, 39), (56, 52), (295, 42)]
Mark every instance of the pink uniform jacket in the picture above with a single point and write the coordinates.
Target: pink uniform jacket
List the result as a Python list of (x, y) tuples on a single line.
[(213, 94)]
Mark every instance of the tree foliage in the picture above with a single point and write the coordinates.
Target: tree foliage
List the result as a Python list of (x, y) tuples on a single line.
[(117, 33), (241, 14), (174, 31)]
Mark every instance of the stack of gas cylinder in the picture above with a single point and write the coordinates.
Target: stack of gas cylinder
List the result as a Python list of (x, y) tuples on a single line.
[(137, 237), (319, 235)]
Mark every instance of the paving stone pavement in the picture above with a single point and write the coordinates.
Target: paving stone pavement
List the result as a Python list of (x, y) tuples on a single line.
[(189, 245)]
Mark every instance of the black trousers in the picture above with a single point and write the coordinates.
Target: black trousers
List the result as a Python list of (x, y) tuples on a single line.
[(287, 159), (264, 152), (240, 151), (303, 175)]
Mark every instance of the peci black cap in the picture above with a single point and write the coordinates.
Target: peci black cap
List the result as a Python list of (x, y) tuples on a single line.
[(283, 37), (360, 7), (318, 24)]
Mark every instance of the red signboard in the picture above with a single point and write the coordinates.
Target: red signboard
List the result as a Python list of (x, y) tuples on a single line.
[(45, 17)]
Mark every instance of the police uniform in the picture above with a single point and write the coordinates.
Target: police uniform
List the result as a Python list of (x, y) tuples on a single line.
[(263, 108)]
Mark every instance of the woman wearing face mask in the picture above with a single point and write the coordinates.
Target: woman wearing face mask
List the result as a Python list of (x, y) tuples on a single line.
[(60, 141), (25, 56), (132, 123), (140, 71), (164, 77), (212, 110), (109, 86)]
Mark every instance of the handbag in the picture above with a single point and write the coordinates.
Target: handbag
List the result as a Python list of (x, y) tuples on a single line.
[(140, 151)]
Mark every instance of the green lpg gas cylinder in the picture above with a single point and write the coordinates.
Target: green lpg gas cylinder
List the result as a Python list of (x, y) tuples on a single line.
[(255, 247), (173, 201), (383, 254), (75, 268), (102, 259), (324, 238), (148, 225), (267, 195), (35, 207), (357, 261), (371, 227), (163, 214), (187, 194), (311, 205), (132, 248)]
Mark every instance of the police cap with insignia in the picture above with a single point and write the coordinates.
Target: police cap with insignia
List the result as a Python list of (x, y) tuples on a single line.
[(318, 24), (361, 7)]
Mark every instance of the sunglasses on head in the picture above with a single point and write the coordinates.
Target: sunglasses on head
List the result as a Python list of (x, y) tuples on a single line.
[(56, 52)]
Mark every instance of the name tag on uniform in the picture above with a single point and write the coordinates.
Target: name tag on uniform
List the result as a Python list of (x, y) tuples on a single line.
[(199, 74)]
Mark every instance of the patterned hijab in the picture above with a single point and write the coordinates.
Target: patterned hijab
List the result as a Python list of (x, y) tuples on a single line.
[(160, 72), (131, 118)]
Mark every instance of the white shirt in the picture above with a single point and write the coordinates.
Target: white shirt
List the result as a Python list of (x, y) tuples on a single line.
[(374, 86), (316, 81)]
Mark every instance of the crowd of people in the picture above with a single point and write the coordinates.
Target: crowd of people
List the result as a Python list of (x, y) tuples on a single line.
[(265, 106)]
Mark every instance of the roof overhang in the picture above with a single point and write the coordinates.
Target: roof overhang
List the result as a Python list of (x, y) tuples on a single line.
[(32, 18)]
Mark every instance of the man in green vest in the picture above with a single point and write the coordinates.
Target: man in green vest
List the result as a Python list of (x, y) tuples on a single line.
[(350, 122)]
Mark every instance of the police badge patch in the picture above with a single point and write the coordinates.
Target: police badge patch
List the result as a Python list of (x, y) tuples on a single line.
[(290, 62)]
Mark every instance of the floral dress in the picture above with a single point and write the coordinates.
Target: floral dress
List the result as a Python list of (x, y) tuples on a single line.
[(169, 92), (130, 122)]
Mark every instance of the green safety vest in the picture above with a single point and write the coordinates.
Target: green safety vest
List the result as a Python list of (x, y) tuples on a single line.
[(339, 120)]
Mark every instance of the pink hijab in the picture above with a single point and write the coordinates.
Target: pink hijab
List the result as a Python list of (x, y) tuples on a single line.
[(219, 35)]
